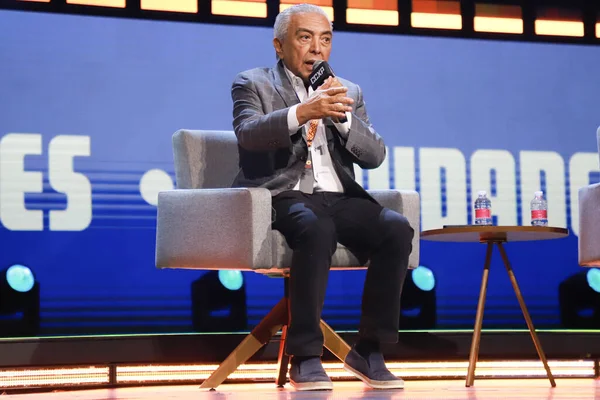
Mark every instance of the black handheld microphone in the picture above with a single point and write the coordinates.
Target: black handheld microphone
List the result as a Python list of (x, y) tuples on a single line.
[(320, 72)]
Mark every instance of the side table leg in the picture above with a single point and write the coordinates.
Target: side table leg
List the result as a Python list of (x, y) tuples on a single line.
[(479, 317), (534, 337)]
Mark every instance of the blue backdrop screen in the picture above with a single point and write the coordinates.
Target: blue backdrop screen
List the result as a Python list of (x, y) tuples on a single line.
[(88, 107)]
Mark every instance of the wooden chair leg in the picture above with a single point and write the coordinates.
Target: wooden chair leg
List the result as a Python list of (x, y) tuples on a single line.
[(534, 337), (479, 318), (260, 335), (282, 359), (334, 343)]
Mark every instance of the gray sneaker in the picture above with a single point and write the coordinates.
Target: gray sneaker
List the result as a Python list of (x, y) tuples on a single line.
[(372, 370), (309, 375)]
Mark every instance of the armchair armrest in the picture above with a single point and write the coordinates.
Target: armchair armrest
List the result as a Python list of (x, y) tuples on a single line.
[(407, 203), (589, 225), (214, 229)]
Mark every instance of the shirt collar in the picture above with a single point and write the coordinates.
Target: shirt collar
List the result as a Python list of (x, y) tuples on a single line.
[(295, 80)]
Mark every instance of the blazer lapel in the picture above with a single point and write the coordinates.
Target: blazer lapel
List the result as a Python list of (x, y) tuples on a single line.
[(330, 132), (283, 85)]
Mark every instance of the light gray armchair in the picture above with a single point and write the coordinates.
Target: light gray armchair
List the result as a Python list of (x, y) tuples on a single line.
[(589, 222), (204, 224)]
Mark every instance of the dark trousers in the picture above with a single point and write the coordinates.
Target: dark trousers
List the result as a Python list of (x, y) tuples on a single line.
[(312, 225)]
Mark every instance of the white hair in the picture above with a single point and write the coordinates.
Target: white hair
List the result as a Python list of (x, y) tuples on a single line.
[(282, 22)]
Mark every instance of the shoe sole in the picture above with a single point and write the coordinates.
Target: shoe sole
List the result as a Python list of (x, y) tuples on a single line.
[(302, 386), (373, 383)]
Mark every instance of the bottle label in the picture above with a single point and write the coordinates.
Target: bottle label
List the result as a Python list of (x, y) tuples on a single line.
[(483, 213), (539, 214)]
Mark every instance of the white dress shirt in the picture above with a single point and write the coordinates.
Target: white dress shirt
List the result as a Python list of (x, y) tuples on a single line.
[(326, 178)]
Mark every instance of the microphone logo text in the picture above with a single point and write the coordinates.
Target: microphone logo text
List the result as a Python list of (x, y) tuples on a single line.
[(316, 75)]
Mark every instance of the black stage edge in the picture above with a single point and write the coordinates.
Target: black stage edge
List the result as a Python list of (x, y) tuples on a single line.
[(591, 9), (214, 348)]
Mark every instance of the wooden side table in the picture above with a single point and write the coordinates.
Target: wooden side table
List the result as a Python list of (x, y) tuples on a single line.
[(497, 235)]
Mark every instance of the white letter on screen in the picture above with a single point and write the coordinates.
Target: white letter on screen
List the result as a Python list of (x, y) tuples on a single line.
[(78, 214), (379, 178), (431, 161), (552, 164), (15, 182), (504, 203), (404, 168)]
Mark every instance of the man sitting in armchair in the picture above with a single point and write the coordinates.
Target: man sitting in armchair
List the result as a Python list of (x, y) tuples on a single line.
[(302, 145)]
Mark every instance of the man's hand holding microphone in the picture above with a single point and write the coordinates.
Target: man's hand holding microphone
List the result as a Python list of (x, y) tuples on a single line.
[(329, 98)]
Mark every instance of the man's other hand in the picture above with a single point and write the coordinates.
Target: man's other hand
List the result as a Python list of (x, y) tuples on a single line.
[(330, 102), (329, 83)]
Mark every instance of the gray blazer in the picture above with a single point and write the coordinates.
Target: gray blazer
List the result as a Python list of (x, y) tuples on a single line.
[(272, 158)]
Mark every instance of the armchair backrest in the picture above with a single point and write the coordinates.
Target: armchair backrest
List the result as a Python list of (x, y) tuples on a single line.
[(205, 159)]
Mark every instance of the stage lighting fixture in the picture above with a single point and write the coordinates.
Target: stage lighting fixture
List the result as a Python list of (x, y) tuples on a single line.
[(418, 308), (579, 300), (219, 302), (232, 280), (19, 302), (593, 279)]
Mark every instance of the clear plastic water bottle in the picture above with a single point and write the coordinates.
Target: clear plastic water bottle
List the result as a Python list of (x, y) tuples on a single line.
[(483, 209), (539, 210)]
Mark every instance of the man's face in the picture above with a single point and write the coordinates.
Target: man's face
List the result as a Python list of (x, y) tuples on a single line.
[(308, 39)]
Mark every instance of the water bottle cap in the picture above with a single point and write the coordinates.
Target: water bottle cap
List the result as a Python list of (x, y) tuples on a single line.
[(482, 193), (539, 193)]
